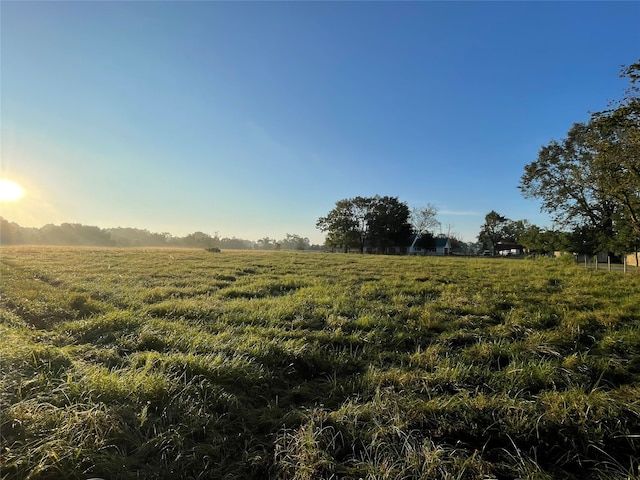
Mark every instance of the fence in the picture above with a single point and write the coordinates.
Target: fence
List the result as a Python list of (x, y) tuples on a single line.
[(592, 261)]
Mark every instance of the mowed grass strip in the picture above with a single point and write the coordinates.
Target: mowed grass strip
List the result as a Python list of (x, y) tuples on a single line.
[(164, 364)]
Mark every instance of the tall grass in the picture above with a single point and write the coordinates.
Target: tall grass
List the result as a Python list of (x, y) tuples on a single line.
[(159, 364)]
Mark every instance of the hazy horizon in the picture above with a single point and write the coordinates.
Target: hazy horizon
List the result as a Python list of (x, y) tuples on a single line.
[(252, 119)]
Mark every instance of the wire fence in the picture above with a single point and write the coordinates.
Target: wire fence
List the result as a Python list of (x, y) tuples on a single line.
[(595, 263)]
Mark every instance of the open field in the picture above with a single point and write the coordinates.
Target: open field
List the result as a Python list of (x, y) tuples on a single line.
[(186, 364)]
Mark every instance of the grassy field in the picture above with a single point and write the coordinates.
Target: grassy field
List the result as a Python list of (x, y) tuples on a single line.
[(186, 364)]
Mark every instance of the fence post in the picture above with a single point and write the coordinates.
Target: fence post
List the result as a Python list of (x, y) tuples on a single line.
[(624, 263), (596, 258), (609, 262)]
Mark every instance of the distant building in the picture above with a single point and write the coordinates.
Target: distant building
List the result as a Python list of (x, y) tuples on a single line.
[(440, 246), (443, 246), (509, 249)]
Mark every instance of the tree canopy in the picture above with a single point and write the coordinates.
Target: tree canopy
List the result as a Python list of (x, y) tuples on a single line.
[(491, 233), (590, 181), (379, 222)]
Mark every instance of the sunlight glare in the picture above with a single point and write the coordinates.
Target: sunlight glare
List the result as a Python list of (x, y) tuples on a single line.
[(10, 191)]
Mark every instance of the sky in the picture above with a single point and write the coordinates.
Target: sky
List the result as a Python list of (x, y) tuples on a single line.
[(251, 119)]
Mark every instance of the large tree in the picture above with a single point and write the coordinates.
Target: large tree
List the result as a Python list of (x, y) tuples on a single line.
[(388, 223), (500, 229), (366, 221), (616, 135), (564, 178), (491, 232), (341, 226), (590, 181)]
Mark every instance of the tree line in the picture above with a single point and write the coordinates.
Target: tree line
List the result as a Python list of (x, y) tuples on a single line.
[(86, 235), (589, 182), (499, 230)]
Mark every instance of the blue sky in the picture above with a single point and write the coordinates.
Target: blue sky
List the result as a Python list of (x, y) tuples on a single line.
[(252, 119)]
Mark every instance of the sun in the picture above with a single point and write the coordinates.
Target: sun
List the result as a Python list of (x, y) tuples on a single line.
[(10, 191)]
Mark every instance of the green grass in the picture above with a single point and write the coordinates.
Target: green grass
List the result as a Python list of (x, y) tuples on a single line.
[(163, 364)]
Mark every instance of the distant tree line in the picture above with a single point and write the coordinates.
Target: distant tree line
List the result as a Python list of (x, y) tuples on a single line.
[(85, 235), (499, 230)]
